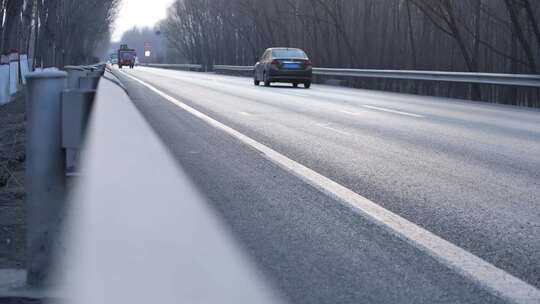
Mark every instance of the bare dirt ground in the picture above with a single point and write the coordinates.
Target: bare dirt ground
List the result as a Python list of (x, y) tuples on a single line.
[(12, 158)]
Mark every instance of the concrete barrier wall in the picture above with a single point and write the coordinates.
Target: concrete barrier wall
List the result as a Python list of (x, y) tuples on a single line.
[(4, 84), (13, 73), (24, 67)]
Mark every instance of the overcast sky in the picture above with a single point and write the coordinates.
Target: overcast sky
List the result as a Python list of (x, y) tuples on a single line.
[(139, 13)]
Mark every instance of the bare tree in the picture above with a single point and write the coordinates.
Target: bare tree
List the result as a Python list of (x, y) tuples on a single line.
[(63, 31), (501, 36)]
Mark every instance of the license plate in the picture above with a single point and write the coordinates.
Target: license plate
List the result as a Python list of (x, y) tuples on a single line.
[(291, 65)]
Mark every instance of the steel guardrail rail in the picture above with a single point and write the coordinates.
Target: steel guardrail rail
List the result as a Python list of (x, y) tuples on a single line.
[(463, 77), (467, 77), (174, 66), (233, 68), (175, 249)]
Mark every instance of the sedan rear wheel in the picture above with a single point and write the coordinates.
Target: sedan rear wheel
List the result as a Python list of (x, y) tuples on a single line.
[(307, 85)]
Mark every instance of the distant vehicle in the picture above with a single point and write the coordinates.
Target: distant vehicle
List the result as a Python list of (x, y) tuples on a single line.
[(126, 56), (288, 65), (113, 58)]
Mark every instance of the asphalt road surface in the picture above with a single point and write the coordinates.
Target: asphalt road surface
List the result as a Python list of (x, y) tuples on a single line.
[(467, 172)]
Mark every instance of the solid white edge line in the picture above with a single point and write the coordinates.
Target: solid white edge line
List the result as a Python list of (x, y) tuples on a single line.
[(487, 276), (393, 111)]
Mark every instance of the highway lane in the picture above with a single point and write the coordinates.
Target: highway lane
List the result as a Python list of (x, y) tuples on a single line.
[(464, 171)]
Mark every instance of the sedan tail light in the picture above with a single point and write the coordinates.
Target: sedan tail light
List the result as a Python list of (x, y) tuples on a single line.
[(308, 63), (275, 62)]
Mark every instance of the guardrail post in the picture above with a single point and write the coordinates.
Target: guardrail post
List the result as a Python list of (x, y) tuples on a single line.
[(96, 73), (74, 75), (76, 108), (45, 170), (101, 68), (89, 83)]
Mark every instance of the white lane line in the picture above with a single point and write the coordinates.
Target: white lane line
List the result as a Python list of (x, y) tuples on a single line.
[(393, 111), (486, 275), (327, 126), (350, 113), (244, 113)]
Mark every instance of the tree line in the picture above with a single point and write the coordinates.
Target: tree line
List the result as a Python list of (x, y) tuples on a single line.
[(57, 32), (500, 36)]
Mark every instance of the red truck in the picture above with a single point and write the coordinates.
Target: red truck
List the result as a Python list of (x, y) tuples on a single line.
[(126, 56)]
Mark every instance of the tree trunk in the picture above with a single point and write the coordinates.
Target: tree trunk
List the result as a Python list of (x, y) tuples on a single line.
[(513, 12)]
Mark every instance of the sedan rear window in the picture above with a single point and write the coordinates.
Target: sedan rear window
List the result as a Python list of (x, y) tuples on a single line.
[(291, 53)]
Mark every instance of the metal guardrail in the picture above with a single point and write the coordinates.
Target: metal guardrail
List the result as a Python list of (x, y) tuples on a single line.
[(174, 66), (233, 68), (104, 243), (138, 231), (57, 112), (463, 77), (482, 78)]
